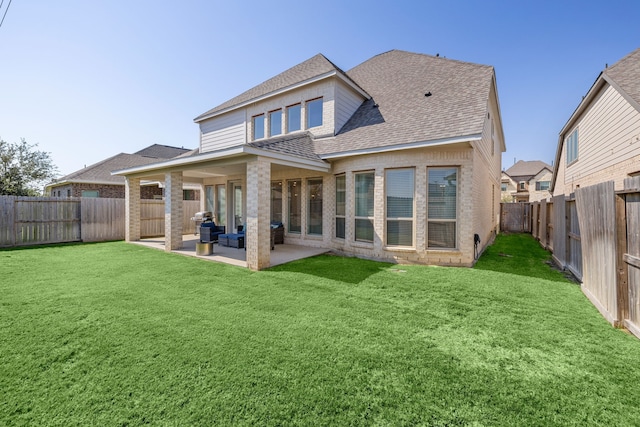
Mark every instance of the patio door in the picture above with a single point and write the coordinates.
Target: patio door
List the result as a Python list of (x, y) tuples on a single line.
[(236, 203)]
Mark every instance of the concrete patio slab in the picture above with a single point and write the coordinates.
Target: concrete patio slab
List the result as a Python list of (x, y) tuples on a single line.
[(282, 254)]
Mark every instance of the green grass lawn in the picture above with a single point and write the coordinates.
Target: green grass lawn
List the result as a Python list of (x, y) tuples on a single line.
[(117, 334)]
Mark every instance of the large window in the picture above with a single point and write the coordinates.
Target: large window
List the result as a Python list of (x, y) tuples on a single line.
[(314, 199), (276, 201), (293, 118), (209, 194), (543, 185), (341, 192), (442, 208), (221, 204), (295, 205), (572, 147), (365, 183), (275, 123), (399, 191), (258, 126), (314, 113)]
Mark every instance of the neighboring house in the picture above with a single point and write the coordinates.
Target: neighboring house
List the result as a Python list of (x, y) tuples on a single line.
[(97, 181), (526, 181), (601, 140), (397, 159)]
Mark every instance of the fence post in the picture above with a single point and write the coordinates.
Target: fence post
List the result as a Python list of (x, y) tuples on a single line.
[(622, 281)]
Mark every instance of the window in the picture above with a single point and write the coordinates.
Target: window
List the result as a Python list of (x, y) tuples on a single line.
[(209, 194), (293, 118), (68, 193), (221, 204), (314, 113), (295, 205), (275, 123), (442, 208), (503, 186), (188, 194), (341, 192), (543, 185), (276, 201), (314, 200), (365, 183), (258, 126), (522, 185), (572, 147), (399, 191), (87, 193)]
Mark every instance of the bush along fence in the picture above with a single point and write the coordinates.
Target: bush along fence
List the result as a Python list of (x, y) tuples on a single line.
[(595, 234), (28, 221)]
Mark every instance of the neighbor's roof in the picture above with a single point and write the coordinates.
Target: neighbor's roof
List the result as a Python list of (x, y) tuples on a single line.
[(626, 74), (399, 112), (162, 151), (527, 168), (307, 70), (101, 171)]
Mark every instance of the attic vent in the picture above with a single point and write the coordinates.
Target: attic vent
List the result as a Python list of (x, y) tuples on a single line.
[(427, 94)]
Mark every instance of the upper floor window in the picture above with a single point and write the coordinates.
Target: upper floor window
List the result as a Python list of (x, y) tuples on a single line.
[(543, 185), (572, 147), (294, 121), (523, 185), (258, 126), (314, 113), (503, 186), (275, 123)]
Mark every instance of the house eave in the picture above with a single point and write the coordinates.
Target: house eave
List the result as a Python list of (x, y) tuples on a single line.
[(285, 90), (407, 146), (224, 154)]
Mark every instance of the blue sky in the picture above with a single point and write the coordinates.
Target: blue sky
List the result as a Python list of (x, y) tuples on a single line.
[(88, 80)]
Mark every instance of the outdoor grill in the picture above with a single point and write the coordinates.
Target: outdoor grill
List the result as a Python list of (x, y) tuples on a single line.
[(199, 218)]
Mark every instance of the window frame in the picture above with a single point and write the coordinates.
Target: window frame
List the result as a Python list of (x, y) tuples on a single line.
[(271, 122), (299, 207), (571, 144), (274, 200), (356, 217), (308, 104), (288, 117), (389, 219), (310, 182), (337, 215), (253, 126), (445, 220)]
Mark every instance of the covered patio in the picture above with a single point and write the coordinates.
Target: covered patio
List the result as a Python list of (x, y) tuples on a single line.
[(282, 254)]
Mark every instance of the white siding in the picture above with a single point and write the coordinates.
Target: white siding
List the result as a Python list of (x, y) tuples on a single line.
[(223, 131), (608, 142), (347, 102)]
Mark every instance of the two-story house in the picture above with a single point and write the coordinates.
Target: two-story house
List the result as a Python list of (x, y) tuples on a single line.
[(601, 140), (526, 181), (397, 159)]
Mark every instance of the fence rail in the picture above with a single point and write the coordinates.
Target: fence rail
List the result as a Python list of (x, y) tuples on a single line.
[(45, 220)]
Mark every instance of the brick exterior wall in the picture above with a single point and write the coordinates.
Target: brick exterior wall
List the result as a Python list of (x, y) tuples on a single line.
[(132, 209), (147, 192), (258, 232), (469, 206), (173, 211)]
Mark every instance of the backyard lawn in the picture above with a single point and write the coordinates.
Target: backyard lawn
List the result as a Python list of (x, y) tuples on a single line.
[(117, 334)]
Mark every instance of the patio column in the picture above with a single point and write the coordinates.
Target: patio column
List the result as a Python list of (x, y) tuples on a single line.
[(258, 232), (173, 211), (132, 209)]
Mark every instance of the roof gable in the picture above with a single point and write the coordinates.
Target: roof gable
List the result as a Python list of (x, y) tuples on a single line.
[(400, 113), (162, 151), (314, 67), (626, 74), (525, 168)]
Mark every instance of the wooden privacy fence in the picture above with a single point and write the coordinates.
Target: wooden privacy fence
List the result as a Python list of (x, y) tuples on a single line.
[(596, 235), (42, 220), (515, 217)]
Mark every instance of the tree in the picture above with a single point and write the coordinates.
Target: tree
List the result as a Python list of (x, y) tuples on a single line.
[(23, 169)]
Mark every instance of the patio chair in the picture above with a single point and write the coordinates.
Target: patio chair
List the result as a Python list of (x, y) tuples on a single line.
[(209, 232)]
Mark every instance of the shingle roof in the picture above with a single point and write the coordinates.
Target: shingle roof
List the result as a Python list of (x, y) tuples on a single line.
[(101, 171), (313, 67), (525, 168), (162, 151), (300, 145), (400, 113), (626, 73)]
